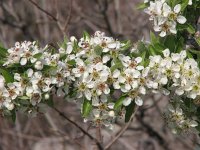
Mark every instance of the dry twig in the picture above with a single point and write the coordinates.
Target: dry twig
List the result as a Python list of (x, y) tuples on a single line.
[(80, 128), (119, 134)]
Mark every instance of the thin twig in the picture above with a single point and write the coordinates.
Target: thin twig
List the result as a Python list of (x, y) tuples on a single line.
[(69, 17), (44, 11), (80, 128), (119, 134)]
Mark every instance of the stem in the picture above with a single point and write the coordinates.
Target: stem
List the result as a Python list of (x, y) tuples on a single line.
[(80, 128), (44, 11)]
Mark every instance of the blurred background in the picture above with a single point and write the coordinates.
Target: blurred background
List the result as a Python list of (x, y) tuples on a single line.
[(48, 21)]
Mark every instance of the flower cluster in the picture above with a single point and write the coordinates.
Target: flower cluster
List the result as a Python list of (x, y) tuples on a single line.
[(178, 122), (165, 17), (92, 71), (179, 73)]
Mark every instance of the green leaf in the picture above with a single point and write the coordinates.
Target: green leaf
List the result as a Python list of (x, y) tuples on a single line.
[(129, 111), (189, 54), (142, 6), (198, 40), (126, 46), (190, 29), (119, 102), (151, 50), (194, 51), (3, 52), (7, 75), (47, 68), (38, 55), (86, 35), (179, 45), (118, 65), (159, 48), (13, 115), (184, 4), (86, 108), (50, 102), (64, 43), (170, 42), (153, 38), (98, 50), (141, 46), (143, 55), (72, 62)]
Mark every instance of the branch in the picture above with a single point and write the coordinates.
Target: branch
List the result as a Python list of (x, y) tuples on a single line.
[(44, 11), (80, 128), (121, 132), (151, 132), (103, 10)]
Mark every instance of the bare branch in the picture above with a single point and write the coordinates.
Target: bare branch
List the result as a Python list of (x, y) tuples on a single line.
[(121, 132), (44, 11), (80, 128)]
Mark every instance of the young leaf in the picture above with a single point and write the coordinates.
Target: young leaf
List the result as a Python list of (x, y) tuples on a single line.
[(86, 35), (154, 39), (13, 115), (3, 52), (129, 111), (50, 101), (38, 55), (7, 75), (98, 50), (184, 4), (86, 108), (142, 6), (119, 102), (190, 29)]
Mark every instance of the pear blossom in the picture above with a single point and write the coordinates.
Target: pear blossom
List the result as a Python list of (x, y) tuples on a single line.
[(164, 17)]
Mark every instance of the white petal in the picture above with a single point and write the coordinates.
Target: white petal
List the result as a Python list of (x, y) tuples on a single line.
[(162, 34), (140, 67), (190, 2), (88, 94), (157, 28), (29, 72), (179, 91), (95, 101), (142, 90), (164, 80), (193, 123), (183, 54), (112, 45), (23, 61), (166, 52), (107, 90), (69, 49), (181, 19), (138, 101), (104, 98), (116, 73), (127, 87), (127, 101), (105, 50), (106, 58), (166, 9), (175, 57), (116, 85), (177, 8), (138, 59), (121, 79), (173, 30)]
